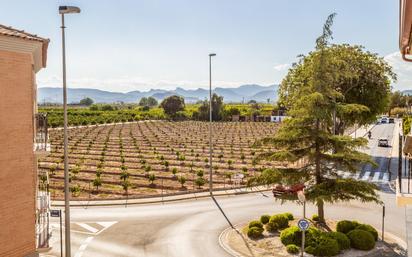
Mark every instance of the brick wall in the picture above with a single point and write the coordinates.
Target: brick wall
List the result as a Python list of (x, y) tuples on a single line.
[(17, 162)]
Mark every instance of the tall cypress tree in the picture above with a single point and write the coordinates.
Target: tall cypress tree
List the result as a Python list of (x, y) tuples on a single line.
[(308, 143)]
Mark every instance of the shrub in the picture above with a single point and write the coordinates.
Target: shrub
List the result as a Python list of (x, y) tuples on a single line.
[(310, 249), (264, 219), (254, 232), (342, 239), (315, 217), (291, 235), (255, 223), (277, 222), (369, 229), (361, 239), (326, 246), (289, 216), (345, 226), (293, 249)]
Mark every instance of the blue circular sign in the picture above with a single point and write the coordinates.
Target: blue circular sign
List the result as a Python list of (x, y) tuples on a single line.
[(303, 224)]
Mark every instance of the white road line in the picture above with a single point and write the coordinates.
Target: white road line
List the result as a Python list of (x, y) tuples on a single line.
[(376, 177), (87, 227), (106, 224), (83, 247), (385, 177), (366, 176)]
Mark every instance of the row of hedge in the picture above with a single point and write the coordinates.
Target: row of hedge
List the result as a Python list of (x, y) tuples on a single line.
[(348, 234)]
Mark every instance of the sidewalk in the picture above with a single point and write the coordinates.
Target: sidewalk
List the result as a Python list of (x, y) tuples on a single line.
[(160, 199)]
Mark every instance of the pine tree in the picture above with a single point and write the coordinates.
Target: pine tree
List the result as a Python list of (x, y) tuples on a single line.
[(307, 142)]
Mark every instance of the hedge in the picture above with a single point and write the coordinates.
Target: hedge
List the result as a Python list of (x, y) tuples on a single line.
[(361, 239)]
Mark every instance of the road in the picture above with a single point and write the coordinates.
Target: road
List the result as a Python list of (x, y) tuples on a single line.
[(192, 228)]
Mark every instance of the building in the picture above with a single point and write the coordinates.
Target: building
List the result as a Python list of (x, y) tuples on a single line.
[(23, 137)]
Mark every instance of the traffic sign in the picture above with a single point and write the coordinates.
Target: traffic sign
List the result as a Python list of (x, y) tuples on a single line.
[(55, 213), (303, 224)]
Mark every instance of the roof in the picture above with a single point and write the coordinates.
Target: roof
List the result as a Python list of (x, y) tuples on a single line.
[(12, 32), (9, 31)]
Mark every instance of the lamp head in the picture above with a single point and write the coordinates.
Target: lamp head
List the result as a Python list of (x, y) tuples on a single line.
[(212, 54), (68, 9)]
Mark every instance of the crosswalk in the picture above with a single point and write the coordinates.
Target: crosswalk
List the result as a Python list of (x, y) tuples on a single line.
[(90, 228), (369, 176)]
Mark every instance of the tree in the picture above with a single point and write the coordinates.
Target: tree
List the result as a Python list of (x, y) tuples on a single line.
[(217, 109), (148, 101), (361, 80), (97, 182), (182, 180), (307, 137), (87, 101), (172, 105)]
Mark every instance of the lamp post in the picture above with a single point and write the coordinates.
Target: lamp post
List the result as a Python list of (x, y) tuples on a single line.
[(66, 10), (302, 199), (210, 125)]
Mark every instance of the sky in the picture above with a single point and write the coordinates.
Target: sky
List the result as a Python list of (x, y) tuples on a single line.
[(145, 44)]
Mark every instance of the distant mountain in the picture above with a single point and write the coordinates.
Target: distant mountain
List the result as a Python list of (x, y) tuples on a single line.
[(238, 94), (407, 92)]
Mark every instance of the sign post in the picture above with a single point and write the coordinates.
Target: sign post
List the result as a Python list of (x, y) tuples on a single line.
[(303, 225), (58, 213)]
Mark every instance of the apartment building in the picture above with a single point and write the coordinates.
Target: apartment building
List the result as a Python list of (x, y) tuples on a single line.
[(24, 201)]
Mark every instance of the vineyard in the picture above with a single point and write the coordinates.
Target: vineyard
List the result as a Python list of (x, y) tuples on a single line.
[(150, 158)]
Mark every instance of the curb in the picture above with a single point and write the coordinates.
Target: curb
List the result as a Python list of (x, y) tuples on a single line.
[(153, 201)]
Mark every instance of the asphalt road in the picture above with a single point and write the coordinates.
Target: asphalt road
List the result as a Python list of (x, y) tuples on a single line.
[(192, 228)]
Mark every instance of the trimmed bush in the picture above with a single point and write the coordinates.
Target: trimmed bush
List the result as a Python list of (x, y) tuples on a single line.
[(345, 226), (277, 222), (342, 239), (264, 219), (369, 229), (326, 246), (293, 249), (255, 223), (315, 217), (254, 232), (361, 239), (310, 250), (289, 216), (291, 235)]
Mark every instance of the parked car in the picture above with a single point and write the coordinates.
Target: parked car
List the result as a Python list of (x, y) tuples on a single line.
[(384, 120), (391, 120), (383, 142)]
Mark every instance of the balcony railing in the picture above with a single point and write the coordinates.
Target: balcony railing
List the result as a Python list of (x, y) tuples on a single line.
[(41, 136)]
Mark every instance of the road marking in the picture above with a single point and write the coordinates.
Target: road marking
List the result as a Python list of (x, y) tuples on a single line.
[(87, 227), (385, 177), (376, 177), (83, 247), (106, 224), (366, 176)]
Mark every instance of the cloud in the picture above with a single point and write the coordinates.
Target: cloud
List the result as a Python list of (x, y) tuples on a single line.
[(402, 69), (281, 67)]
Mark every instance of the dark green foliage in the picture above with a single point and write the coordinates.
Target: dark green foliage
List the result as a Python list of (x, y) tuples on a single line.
[(254, 232), (255, 223), (289, 216), (345, 226), (172, 105), (264, 219), (291, 235), (310, 249), (86, 101), (369, 229), (326, 246), (277, 222), (217, 109), (361, 240), (342, 239), (293, 249)]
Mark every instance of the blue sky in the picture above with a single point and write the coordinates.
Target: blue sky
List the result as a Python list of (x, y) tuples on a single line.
[(142, 44)]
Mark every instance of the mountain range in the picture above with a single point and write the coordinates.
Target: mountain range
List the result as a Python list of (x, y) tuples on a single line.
[(238, 94)]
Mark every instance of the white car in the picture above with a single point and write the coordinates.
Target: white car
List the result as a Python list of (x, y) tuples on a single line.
[(384, 120)]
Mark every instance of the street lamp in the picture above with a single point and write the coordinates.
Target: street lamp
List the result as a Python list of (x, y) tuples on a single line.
[(210, 125), (66, 10)]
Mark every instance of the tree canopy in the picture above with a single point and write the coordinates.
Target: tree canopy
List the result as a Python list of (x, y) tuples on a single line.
[(315, 155), (87, 101), (172, 105), (217, 108), (360, 78), (148, 101)]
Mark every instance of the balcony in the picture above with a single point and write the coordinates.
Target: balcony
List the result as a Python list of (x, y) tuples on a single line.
[(41, 144)]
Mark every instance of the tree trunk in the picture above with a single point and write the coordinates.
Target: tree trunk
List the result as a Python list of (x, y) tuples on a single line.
[(319, 202), (321, 211)]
